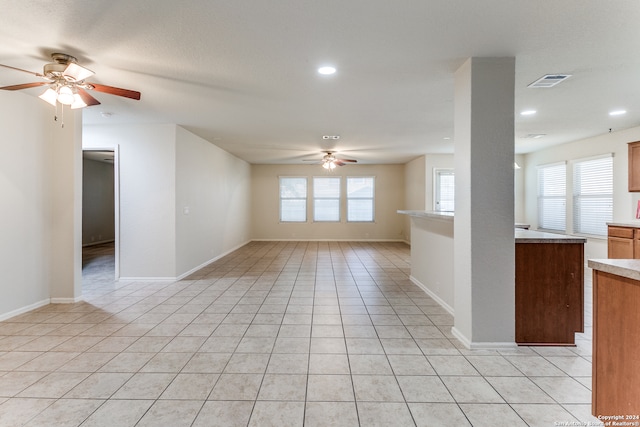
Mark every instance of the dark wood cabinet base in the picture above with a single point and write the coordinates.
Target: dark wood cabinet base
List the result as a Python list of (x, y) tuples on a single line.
[(549, 293)]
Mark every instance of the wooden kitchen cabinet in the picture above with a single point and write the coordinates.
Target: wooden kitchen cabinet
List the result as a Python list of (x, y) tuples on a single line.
[(616, 345), (549, 293), (634, 166), (623, 242)]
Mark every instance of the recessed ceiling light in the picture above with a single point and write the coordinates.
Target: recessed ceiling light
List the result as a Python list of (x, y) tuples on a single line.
[(326, 70), (446, 138), (617, 112), (528, 112)]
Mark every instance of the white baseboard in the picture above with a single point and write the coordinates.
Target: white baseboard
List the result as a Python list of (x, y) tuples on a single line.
[(331, 240), (482, 345), (147, 279), (204, 264), (432, 295), (66, 300), (22, 310)]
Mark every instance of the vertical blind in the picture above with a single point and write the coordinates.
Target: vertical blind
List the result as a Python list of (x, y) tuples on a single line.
[(592, 195), (360, 191), (293, 199), (552, 197), (326, 199)]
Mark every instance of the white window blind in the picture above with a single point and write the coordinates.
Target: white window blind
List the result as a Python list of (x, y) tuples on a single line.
[(326, 199), (552, 197), (444, 190), (592, 195), (360, 198), (293, 199)]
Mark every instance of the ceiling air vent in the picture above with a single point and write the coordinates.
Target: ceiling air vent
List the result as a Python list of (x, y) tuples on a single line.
[(549, 80)]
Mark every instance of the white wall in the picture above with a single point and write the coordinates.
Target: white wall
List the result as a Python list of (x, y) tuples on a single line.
[(147, 195), (624, 203), (164, 169), (389, 198), (212, 201), (414, 180), (40, 245), (97, 202)]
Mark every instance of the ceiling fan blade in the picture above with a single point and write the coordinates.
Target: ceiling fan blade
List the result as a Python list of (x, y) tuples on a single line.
[(339, 162), (88, 99), (24, 86), (348, 160), (24, 71), (77, 72), (116, 91)]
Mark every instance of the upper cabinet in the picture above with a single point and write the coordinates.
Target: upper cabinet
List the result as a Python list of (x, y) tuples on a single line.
[(634, 166)]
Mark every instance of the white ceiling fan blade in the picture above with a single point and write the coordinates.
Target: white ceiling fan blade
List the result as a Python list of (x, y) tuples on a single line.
[(77, 72)]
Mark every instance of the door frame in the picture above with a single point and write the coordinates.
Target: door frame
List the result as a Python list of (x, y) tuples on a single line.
[(116, 201)]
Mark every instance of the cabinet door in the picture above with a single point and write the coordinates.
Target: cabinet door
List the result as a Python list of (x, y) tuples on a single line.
[(634, 166), (620, 248)]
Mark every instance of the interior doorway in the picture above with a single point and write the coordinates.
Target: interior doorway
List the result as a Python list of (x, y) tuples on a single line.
[(100, 215)]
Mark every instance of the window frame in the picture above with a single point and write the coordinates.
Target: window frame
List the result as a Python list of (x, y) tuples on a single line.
[(372, 198), (437, 188), (543, 197), (336, 198), (305, 199), (578, 197)]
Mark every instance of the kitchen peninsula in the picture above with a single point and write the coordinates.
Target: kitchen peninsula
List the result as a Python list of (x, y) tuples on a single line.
[(549, 286), (616, 337)]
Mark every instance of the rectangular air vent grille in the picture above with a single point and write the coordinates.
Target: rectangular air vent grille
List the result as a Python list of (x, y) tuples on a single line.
[(549, 80)]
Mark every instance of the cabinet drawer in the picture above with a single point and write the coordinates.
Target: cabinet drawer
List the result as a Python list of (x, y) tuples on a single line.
[(624, 232), (636, 234)]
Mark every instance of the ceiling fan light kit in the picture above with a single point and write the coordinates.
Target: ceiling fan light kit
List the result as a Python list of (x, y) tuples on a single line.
[(67, 85)]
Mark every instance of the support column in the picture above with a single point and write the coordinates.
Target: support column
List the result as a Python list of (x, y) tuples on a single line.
[(484, 247)]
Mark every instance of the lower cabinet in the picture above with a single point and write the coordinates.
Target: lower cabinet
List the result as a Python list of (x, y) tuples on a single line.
[(623, 242), (549, 293)]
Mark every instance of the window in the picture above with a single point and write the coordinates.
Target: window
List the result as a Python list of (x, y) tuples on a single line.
[(552, 185), (444, 190), (293, 199), (592, 195), (326, 199), (360, 191)]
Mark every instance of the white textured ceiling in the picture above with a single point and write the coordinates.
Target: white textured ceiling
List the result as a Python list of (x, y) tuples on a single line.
[(242, 73)]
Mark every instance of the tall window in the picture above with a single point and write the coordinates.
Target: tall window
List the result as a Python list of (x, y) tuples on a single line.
[(326, 199), (592, 195), (293, 199), (444, 193), (552, 198), (360, 193)]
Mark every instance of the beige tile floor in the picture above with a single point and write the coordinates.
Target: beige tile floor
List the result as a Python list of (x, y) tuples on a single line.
[(276, 334)]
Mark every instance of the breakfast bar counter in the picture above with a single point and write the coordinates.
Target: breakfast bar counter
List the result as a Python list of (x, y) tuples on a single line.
[(549, 286)]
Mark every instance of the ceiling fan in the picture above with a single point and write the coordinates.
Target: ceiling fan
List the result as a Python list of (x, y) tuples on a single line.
[(67, 85), (330, 161)]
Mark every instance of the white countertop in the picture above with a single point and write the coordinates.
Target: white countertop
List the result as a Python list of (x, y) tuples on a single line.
[(625, 224), (629, 268), (530, 236), (444, 215), (521, 235)]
